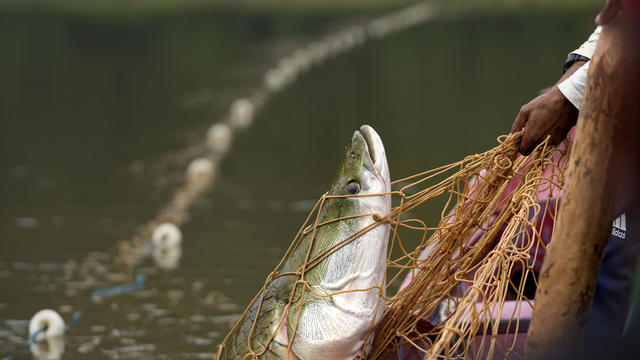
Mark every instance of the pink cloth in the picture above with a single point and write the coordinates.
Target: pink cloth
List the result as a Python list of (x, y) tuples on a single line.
[(546, 195), (523, 310)]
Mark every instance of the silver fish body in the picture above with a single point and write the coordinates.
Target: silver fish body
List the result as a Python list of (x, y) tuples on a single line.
[(331, 311)]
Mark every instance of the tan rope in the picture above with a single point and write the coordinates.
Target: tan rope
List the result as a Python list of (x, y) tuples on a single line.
[(476, 202)]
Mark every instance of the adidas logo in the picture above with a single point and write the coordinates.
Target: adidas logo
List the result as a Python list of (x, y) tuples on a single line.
[(620, 227)]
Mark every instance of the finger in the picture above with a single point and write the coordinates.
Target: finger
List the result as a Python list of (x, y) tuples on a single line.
[(520, 121), (607, 14), (527, 144), (555, 139)]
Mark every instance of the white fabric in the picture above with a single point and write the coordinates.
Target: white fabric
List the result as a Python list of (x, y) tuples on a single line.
[(573, 87), (589, 47)]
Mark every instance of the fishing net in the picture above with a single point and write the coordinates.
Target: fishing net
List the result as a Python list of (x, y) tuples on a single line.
[(474, 274), (460, 287)]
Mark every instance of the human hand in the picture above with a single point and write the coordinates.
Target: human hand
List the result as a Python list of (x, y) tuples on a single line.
[(550, 114)]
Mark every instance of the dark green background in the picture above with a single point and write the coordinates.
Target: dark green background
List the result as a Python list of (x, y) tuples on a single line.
[(90, 105)]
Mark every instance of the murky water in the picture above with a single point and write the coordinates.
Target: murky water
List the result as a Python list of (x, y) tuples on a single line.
[(93, 108)]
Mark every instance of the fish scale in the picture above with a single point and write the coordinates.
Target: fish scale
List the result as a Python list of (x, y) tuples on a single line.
[(334, 326)]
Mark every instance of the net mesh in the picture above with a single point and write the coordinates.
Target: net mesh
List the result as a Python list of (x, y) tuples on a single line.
[(462, 287)]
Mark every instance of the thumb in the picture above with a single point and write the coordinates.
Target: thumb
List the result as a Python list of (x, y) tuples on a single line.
[(520, 122)]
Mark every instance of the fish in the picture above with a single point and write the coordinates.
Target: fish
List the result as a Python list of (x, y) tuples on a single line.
[(345, 255)]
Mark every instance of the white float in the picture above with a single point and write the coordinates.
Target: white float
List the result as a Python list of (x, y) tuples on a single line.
[(288, 69), (166, 234), (302, 58), (241, 113), (49, 318), (200, 169), (48, 344), (167, 246), (219, 138), (319, 52), (274, 80)]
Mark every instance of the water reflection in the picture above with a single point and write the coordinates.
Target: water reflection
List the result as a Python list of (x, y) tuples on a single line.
[(81, 168), (48, 349), (166, 240)]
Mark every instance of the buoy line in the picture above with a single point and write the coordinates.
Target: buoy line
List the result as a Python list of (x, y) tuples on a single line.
[(161, 238), (202, 171)]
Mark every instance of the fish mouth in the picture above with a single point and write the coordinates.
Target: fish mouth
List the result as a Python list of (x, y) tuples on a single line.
[(375, 148)]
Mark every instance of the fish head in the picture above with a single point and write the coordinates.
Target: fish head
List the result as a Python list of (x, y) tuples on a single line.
[(341, 254), (336, 327), (364, 171)]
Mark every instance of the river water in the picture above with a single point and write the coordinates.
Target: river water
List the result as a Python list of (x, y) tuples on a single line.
[(94, 106)]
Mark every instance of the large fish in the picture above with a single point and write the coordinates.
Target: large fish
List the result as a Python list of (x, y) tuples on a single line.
[(329, 325)]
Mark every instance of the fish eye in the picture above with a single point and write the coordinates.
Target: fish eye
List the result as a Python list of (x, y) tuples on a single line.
[(353, 187)]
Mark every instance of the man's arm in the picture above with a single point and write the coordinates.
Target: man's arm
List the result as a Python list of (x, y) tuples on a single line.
[(573, 87), (555, 112), (548, 114)]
